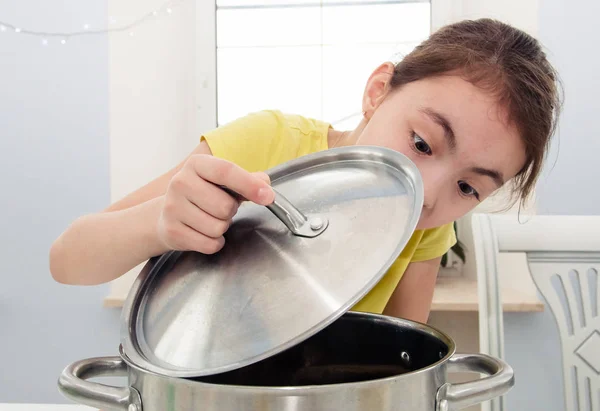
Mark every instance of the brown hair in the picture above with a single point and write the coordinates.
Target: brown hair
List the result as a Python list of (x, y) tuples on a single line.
[(509, 63)]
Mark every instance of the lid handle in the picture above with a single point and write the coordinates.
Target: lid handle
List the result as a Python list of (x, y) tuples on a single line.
[(298, 223)]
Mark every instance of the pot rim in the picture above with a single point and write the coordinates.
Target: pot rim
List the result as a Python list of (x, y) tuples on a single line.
[(301, 389)]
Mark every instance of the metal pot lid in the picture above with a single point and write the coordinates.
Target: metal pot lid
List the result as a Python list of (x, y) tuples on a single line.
[(340, 219)]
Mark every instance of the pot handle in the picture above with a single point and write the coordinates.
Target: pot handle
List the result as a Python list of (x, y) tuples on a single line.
[(500, 379), (73, 385), (298, 223)]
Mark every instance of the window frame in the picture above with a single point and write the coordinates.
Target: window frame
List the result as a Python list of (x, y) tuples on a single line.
[(442, 11)]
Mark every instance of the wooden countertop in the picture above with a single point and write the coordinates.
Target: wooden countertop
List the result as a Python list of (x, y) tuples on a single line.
[(517, 290), (459, 293)]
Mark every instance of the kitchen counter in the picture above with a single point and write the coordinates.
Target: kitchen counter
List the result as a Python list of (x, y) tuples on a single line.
[(452, 293), (44, 407)]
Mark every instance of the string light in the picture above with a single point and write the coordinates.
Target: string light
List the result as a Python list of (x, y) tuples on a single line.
[(166, 7)]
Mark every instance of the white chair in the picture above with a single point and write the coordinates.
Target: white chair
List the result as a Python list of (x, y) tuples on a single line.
[(563, 256)]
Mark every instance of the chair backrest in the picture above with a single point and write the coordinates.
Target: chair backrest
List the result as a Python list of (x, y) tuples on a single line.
[(563, 254), (570, 287)]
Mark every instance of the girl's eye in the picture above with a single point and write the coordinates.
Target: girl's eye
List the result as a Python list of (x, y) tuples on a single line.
[(467, 190), (421, 145)]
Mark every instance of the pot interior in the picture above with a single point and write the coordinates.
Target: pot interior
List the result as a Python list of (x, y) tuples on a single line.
[(356, 347)]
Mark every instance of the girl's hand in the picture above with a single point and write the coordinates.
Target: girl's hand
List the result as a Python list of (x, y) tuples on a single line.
[(196, 212)]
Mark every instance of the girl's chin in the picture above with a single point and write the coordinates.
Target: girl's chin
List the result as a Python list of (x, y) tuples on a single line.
[(425, 225)]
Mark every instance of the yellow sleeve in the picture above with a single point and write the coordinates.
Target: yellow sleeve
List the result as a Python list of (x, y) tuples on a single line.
[(246, 141), (265, 139), (434, 243)]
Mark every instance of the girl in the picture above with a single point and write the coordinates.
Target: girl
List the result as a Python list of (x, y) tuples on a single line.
[(474, 107)]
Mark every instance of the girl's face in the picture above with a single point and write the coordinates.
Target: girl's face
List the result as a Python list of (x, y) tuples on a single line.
[(454, 132)]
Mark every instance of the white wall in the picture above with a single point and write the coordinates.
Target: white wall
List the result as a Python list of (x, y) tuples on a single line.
[(152, 93), (519, 13), (158, 88)]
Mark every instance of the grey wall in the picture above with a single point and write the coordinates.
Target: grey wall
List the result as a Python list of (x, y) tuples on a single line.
[(571, 182), (570, 185), (54, 148)]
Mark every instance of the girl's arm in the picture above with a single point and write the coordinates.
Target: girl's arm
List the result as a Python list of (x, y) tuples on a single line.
[(413, 296), (183, 209)]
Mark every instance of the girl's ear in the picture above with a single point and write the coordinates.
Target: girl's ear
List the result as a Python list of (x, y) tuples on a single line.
[(376, 88)]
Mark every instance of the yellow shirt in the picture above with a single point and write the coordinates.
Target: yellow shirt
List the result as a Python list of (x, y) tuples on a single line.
[(266, 139)]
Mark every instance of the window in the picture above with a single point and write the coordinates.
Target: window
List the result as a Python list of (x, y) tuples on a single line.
[(309, 57)]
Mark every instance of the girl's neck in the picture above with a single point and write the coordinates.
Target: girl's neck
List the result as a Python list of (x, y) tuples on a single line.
[(336, 138)]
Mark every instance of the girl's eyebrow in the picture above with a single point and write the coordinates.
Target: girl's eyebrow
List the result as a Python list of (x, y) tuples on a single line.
[(493, 174), (443, 121)]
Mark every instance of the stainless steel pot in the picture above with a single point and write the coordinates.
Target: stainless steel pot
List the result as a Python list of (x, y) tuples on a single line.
[(359, 362)]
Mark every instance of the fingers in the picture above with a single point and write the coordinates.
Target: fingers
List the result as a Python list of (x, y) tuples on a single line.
[(182, 237), (253, 187), (197, 211), (202, 222), (210, 198), (263, 176)]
